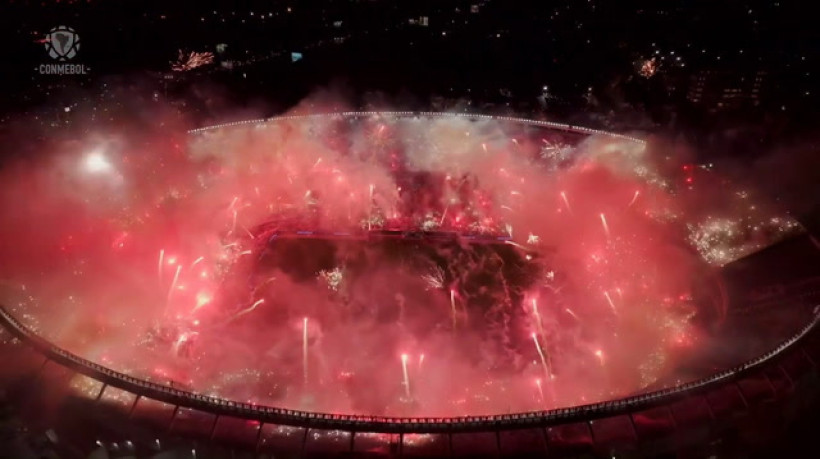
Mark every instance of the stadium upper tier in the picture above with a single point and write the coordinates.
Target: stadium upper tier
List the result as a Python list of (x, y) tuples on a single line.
[(581, 130)]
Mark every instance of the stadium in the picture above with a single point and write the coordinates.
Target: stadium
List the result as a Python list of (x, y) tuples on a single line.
[(741, 366)]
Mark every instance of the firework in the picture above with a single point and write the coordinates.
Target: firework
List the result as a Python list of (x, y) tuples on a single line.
[(648, 68), (543, 358), (610, 302), (308, 231), (634, 198), (434, 279), (305, 350), (406, 375), (202, 299), (172, 288), (453, 306), (159, 265), (605, 225), (537, 317), (566, 201), (250, 309), (190, 61)]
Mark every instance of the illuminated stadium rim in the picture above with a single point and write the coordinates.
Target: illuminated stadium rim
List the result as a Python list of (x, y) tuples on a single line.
[(385, 424), (389, 114)]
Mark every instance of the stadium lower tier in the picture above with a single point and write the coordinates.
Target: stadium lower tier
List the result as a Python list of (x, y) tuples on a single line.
[(56, 402), (744, 409)]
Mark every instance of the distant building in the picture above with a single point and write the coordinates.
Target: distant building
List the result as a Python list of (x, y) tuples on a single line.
[(727, 90)]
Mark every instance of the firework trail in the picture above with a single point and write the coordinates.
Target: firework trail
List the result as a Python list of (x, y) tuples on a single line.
[(305, 351), (605, 225), (453, 306), (172, 288), (634, 198), (159, 265), (544, 364), (537, 315), (406, 375), (611, 303), (566, 201), (246, 311)]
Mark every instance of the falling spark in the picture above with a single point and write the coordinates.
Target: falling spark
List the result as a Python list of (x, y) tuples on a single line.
[(611, 303), (540, 389), (202, 298), (515, 244), (159, 267), (566, 201), (246, 311), (569, 311), (453, 306), (434, 279), (406, 375), (537, 317), (444, 214), (634, 198), (370, 209), (543, 357), (484, 146), (305, 350), (173, 287), (421, 361), (189, 61), (197, 261), (606, 227), (600, 354)]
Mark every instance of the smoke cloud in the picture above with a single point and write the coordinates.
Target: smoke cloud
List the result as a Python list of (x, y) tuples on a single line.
[(184, 258)]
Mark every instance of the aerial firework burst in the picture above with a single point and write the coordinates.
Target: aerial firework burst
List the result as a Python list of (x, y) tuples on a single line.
[(373, 264), (189, 61)]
